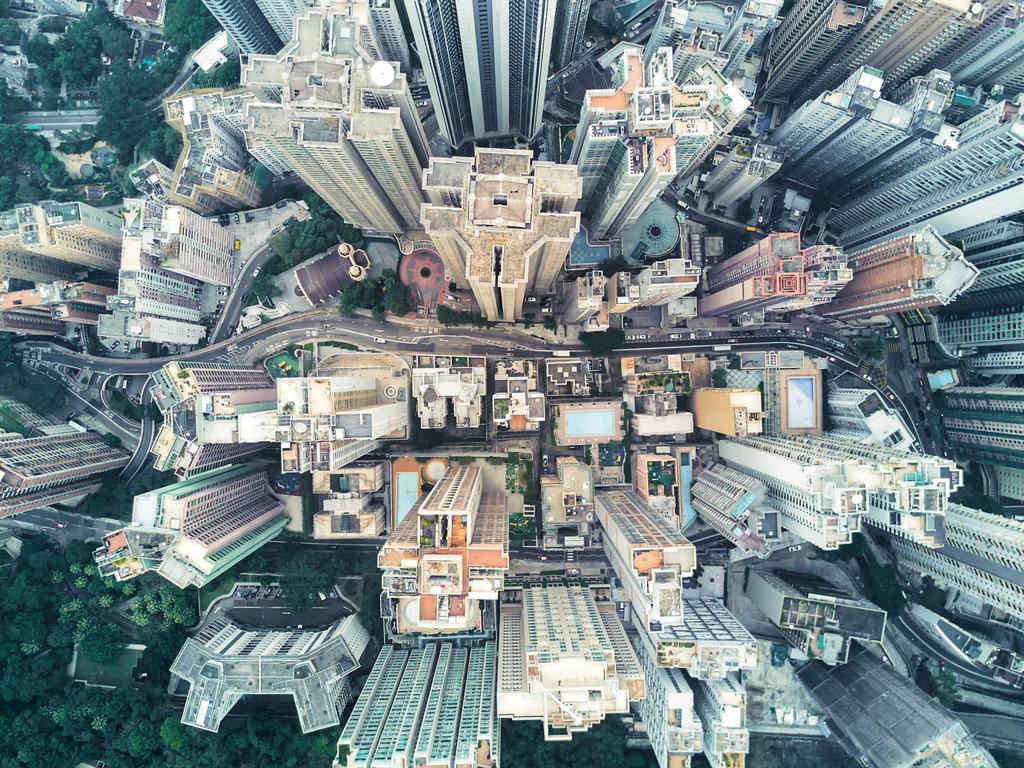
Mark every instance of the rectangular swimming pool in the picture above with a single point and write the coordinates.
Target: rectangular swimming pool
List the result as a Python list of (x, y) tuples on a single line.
[(801, 403), (407, 486), (590, 423)]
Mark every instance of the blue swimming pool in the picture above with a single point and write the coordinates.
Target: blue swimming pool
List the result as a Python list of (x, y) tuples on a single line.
[(590, 423), (408, 490), (801, 404)]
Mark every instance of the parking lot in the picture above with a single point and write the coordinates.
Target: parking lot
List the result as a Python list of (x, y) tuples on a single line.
[(268, 607)]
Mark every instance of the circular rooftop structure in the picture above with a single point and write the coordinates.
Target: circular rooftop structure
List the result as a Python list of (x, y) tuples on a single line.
[(434, 470), (382, 74), (655, 233)]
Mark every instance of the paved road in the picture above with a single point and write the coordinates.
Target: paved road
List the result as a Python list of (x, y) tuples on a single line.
[(185, 72), (76, 527), (141, 453), (1004, 730), (399, 337), (935, 649), (63, 120), (228, 320)]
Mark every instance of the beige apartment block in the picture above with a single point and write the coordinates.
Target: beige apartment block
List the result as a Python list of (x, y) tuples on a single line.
[(564, 659), (325, 422), (443, 384), (346, 124), (728, 411), (74, 233), (567, 501), (517, 405), (211, 174), (445, 563), (19, 262), (502, 223)]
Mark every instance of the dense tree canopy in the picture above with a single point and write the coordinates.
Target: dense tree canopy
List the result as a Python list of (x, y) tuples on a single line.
[(49, 600), (162, 143), (188, 24), (601, 343), (227, 75), (10, 32), (114, 498), (449, 317), (324, 228), (604, 746), (76, 57), (388, 294), (10, 102), (37, 391)]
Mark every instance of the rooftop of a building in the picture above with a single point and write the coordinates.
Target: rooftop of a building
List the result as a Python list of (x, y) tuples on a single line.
[(225, 661), (883, 719), (436, 703)]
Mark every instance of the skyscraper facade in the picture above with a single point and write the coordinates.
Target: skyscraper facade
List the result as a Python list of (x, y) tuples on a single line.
[(210, 413), (807, 37), (193, 531), (901, 37), (742, 171), (733, 503), (486, 64), (634, 139), (996, 248), (245, 24), (210, 175), (775, 275), (386, 27), (987, 164), (913, 271), (902, 492), (721, 705), (346, 125), (983, 424), (994, 52), (981, 560), (570, 25), (564, 659), (444, 564), (819, 498), (23, 264), (168, 252), (74, 233), (502, 224), (432, 705), (56, 466)]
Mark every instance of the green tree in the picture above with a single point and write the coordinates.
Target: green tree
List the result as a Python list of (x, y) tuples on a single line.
[(449, 317), (301, 240), (188, 24), (162, 142), (10, 102), (719, 377), (124, 118), (10, 32), (226, 75), (172, 733), (99, 645), (397, 296), (601, 343)]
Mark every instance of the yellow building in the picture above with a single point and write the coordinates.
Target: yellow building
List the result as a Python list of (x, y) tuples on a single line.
[(734, 412)]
